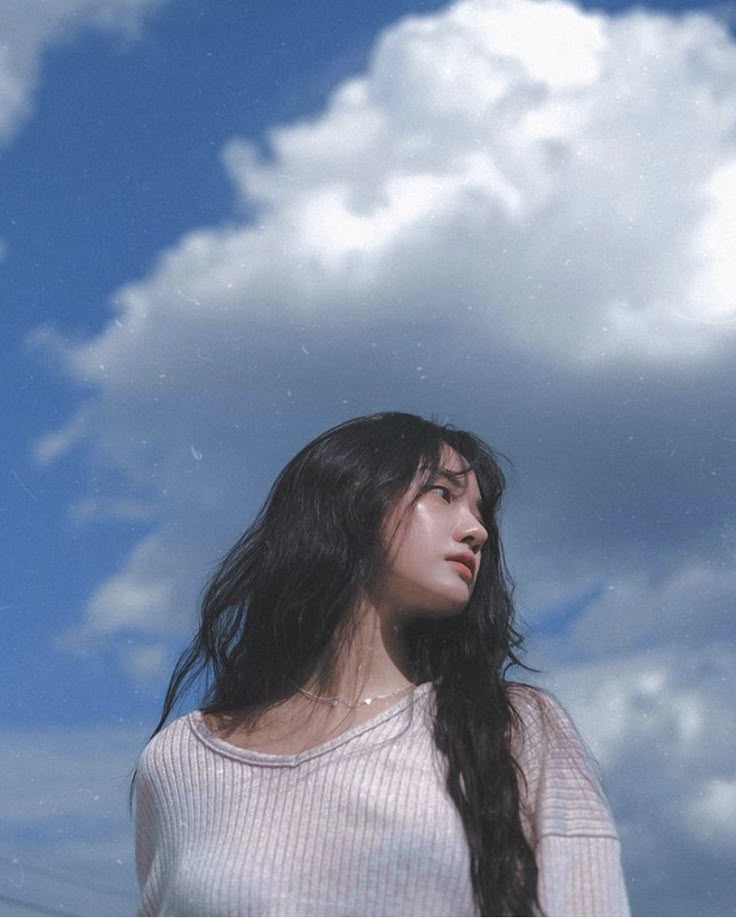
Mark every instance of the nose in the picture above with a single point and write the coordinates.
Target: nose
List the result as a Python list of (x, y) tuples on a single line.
[(471, 531)]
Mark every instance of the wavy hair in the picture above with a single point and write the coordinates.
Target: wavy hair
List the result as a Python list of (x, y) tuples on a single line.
[(282, 604)]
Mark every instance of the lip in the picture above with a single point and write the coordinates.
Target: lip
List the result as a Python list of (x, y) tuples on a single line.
[(466, 562)]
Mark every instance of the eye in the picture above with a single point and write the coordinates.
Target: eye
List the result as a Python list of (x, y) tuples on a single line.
[(445, 493)]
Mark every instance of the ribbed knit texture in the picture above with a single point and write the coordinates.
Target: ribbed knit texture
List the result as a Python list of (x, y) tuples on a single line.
[(361, 824)]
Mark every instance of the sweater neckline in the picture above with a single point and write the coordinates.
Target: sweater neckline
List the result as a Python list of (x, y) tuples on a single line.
[(197, 724)]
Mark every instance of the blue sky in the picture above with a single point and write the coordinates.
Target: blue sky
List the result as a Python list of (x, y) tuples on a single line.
[(226, 227)]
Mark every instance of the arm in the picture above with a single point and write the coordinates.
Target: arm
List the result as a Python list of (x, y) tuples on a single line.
[(147, 824), (581, 875), (569, 822)]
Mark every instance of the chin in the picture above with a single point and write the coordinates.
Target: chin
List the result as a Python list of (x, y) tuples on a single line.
[(431, 600), (444, 607)]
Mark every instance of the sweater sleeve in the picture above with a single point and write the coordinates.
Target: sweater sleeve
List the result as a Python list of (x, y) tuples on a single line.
[(147, 833), (567, 816)]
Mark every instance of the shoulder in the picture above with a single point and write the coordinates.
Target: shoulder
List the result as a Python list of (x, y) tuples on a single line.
[(561, 779), (541, 724), (163, 753)]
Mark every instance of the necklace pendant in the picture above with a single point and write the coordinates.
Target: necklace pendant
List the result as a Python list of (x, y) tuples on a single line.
[(367, 701)]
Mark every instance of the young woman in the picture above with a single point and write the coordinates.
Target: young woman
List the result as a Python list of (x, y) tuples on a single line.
[(359, 750)]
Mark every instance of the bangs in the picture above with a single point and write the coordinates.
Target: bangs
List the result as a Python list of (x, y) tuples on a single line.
[(474, 458)]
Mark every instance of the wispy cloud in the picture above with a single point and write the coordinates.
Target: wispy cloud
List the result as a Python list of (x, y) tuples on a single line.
[(29, 27), (67, 838)]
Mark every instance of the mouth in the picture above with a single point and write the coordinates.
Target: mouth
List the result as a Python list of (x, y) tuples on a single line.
[(464, 566)]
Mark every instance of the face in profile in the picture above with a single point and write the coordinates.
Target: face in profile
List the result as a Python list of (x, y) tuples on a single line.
[(436, 548)]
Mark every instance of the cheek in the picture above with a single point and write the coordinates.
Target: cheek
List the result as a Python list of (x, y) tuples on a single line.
[(415, 539), (406, 558), (420, 558)]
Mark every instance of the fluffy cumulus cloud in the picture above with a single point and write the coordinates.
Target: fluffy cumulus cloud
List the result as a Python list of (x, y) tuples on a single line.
[(662, 727), (566, 174), (30, 26), (477, 209)]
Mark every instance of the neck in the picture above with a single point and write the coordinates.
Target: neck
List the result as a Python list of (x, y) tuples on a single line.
[(374, 661)]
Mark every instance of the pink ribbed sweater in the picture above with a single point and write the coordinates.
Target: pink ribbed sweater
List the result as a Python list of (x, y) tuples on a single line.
[(361, 824)]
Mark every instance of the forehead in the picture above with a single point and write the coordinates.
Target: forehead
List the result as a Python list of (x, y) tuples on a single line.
[(455, 467), (452, 461), (449, 461)]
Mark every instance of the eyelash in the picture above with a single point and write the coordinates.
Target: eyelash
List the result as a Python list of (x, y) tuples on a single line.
[(448, 494)]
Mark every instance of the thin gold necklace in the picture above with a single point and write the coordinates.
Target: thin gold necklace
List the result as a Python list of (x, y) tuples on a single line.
[(335, 700)]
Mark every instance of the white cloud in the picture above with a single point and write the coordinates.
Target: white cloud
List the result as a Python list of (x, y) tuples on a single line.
[(146, 664), (662, 725), (673, 700), (713, 815), (67, 837), (127, 509), (29, 27), (153, 596), (134, 598), (713, 286), (543, 191), (57, 442), (476, 218), (696, 599)]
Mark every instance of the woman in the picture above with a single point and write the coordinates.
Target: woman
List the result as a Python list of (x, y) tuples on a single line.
[(359, 750)]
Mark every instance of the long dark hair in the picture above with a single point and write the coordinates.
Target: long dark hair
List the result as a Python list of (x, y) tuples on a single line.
[(281, 604)]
